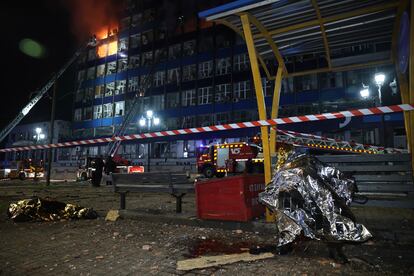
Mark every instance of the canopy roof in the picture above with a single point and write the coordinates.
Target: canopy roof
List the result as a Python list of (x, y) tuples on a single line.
[(291, 27)]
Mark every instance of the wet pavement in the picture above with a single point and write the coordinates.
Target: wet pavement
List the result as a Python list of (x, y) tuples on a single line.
[(139, 247)]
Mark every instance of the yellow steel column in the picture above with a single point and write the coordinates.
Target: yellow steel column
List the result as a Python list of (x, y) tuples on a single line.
[(260, 100), (405, 99), (275, 108), (411, 82)]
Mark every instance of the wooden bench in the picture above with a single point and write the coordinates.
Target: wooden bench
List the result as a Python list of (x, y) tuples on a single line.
[(174, 184), (385, 179)]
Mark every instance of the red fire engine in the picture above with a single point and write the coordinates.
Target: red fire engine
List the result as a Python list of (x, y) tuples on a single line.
[(217, 160)]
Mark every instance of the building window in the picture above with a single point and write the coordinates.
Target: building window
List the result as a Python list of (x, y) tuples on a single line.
[(134, 61), (90, 75), (189, 72), (109, 90), (91, 54), (99, 90), (189, 97), (124, 24), (159, 78), (222, 118), (147, 37), (120, 87), (223, 93), (158, 102), (160, 55), (89, 94), (100, 70), (146, 58), (123, 45), (205, 69), (173, 100), (87, 113), (267, 87), (174, 75), (241, 62), (133, 84), (79, 95), (205, 95), (223, 66), (240, 116), (119, 108), (107, 110), (174, 51), (81, 75), (145, 82), (204, 120), (241, 90), (135, 40), (173, 123), (78, 115), (122, 64), (189, 121), (111, 68), (189, 48), (136, 19), (97, 111)]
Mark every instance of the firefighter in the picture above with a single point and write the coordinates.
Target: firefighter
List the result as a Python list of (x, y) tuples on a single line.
[(97, 173)]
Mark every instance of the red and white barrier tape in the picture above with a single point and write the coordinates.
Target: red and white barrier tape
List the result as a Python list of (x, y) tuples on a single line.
[(270, 122)]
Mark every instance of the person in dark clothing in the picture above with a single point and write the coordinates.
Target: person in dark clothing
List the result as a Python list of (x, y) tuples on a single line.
[(110, 167), (97, 173)]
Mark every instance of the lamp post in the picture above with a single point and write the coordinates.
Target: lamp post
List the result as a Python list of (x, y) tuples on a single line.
[(149, 120), (379, 81)]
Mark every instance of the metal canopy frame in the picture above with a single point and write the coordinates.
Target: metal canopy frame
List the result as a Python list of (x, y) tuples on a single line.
[(276, 30)]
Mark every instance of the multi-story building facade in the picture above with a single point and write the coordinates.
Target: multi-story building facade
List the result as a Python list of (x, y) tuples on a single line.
[(201, 76)]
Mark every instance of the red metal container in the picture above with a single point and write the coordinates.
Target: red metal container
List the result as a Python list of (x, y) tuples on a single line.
[(231, 198)]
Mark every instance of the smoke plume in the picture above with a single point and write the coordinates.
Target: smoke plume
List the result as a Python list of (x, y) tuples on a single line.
[(93, 16)]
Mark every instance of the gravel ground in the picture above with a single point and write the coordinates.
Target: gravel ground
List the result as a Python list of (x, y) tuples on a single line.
[(132, 247)]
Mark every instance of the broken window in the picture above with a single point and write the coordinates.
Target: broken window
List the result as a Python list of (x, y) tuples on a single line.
[(107, 110), (222, 118), (135, 40), (223, 66), (174, 51), (100, 70), (120, 87), (78, 115), (99, 90), (159, 78), (79, 95), (109, 90), (91, 54), (205, 69), (204, 120), (205, 95), (189, 72), (146, 58), (205, 42), (223, 93), (122, 64), (133, 84), (158, 102), (123, 44), (111, 68), (145, 82), (189, 48), (160, 33), (89, 94), (81, 75), (174, 75), (241, 90), (134, 61), (188, 97), (124, 24), (90, 74), (119, 108), (241, 62), (173, 100), (97, 111), (160, 55)]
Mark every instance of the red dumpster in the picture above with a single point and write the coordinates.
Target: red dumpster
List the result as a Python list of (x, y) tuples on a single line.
[(231, 198)]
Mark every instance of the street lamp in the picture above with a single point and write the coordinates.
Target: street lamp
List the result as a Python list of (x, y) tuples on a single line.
[(39, 135), (379, 81), (149, 120)]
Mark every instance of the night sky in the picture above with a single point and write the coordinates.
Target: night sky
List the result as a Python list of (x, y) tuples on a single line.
[(48, 23)]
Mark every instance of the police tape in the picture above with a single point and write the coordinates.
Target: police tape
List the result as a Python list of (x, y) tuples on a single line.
[(259, 123)]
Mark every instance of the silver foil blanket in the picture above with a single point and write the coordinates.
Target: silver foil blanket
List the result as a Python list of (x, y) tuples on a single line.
[(38, 209), (313, 199)]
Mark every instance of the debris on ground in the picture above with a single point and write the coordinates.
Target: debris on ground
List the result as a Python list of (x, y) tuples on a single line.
[(39, 209), (312, 199), (210, 261), (112, 215)]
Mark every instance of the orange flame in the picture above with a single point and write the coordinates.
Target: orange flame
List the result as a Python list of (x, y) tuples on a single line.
[(108, 48)]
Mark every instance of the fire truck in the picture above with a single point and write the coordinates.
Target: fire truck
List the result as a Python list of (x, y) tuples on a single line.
[(219, 159)]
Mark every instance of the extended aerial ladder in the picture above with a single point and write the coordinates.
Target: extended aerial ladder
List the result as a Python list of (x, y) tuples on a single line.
[(43, 91)]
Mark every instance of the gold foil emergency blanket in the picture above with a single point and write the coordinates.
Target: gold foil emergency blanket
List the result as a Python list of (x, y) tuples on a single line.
[(38, 209), (312, 199)]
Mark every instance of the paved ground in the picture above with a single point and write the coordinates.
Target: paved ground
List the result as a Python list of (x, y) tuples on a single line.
[(133, 247)]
